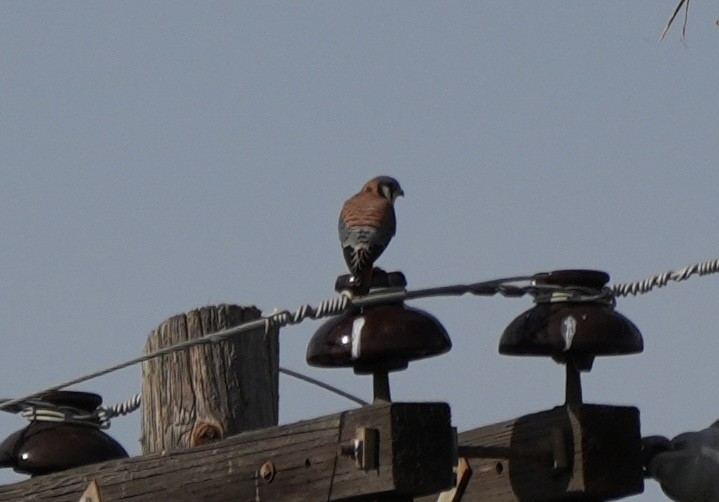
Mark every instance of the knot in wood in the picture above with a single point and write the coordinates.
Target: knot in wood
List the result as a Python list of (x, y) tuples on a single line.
[(204, 433)]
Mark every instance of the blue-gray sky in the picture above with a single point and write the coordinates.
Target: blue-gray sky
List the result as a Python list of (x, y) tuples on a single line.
[(160, 156)]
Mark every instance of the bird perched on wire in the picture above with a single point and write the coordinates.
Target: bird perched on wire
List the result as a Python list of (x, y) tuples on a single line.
[(367, 224)]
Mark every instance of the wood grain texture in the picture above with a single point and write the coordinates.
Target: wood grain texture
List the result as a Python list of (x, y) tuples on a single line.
[(208, 392), (414, 459)]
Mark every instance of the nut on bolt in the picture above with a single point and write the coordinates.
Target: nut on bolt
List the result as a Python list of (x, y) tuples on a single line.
[(363, 449)]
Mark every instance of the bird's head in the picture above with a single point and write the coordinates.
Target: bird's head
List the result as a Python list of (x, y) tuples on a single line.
[(384, 186)]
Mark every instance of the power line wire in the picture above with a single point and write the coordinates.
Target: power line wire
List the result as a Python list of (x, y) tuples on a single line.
[(323, 385), (661, 280), (103, 414), (506, 287)]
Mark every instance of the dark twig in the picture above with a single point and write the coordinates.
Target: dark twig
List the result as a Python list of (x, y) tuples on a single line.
[(681, 3)]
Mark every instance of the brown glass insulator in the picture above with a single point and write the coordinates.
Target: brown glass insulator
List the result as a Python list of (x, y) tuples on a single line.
[(379, 338), (48, 446), (576, 327), (383, 337)]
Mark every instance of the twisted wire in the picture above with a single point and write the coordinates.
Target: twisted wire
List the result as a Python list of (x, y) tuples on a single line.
[(661, 280), (327, 308), (105, 413)]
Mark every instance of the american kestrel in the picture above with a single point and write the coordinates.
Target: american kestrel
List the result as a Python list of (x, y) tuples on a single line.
[(367, 224)]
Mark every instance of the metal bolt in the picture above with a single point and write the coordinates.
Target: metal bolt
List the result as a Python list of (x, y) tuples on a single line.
[(351, 450)]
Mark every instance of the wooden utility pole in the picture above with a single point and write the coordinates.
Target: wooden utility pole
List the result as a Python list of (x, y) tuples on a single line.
[(207, 392)]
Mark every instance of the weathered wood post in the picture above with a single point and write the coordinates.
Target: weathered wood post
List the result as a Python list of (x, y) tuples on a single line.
[(207, 392)]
